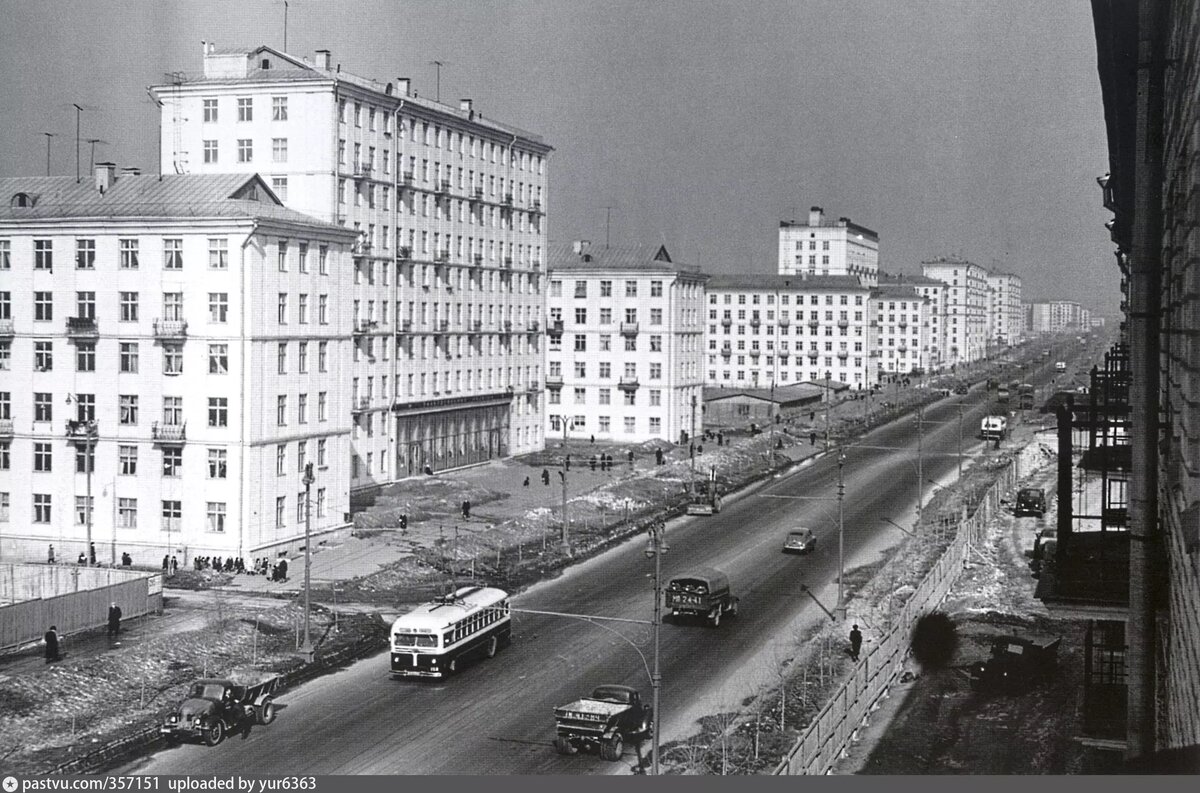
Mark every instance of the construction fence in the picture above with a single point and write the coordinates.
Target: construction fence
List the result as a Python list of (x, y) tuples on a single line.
[(830, 733), (73, 598)]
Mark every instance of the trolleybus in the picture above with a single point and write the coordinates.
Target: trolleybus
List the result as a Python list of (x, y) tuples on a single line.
[(437, 638)]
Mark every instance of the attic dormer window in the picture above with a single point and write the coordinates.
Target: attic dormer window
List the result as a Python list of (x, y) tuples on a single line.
[(266, 63), (22, 200)]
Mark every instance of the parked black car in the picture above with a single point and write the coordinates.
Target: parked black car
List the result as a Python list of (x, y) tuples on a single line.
[(1030, 501)]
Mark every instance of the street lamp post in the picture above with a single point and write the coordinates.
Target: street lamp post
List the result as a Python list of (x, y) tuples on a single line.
[(920, 459), (307, 649), (828, 404), (960, 439), (86, 428), (840, 609), (655, 548), (692, 434)]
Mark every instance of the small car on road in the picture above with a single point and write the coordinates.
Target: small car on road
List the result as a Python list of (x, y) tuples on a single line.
[(1030, 501), (800, 540)]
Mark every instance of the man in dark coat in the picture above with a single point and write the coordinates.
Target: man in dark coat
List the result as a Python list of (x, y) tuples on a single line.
[(51, 639), (855, 642), (114, 620)]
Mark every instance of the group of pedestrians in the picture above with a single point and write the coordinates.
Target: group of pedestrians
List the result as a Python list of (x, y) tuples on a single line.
[(53, 644), (264, 566), (218, 564)]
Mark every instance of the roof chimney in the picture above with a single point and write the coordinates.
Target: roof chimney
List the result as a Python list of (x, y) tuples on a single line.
[(324, 59), (581, 247), (845, 221), (134, 171), (106, 176), (465, 105), (203, 47), (402, 86), (815, 216)]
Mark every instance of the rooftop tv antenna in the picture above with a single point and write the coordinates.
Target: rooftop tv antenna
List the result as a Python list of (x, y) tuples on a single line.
[(438, 67), (78, 140), (607, 222), (94, 141), (48, 135)]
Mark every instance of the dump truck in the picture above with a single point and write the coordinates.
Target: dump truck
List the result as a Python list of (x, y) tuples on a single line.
[(605, 721), (214, 707)]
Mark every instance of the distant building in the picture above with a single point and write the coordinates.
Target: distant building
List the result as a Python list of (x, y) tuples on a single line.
[(739, 407), (1056, 316), (1006, 318), (450, 213), (765, 329), (964, 327), (192, 331), (824, 247), (625, 359)]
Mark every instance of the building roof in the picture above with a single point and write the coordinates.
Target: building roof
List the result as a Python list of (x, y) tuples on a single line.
[(783, 394), (910, 280), (893, 291), (771, 281), (148, 196), (650, 258)]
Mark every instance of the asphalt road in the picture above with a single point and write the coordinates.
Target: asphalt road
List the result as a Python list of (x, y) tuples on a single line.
[(495, 717)]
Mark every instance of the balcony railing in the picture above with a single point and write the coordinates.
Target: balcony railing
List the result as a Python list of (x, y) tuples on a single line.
[(477, 194), (629, 329), (843, 354), (534, 326), (443, 257), (170, 329), (727, 321), (783, 358), (508, 326), (82, 328), (443, 326), (7, 329), (6, 429), (477, 259), (508, 199), (554, 381), (814, 324), (81, 430), (404, 326), (362, 403), (727, 351), (755, 322), (168, 433), (785, 320), (360, 247), (362, 170), (477, 326), (813, 355), (554, 328), (843, 323), (628, 383), (403, 252), (365, 325), (442, 186), (508, 262), (755, 353), (406, 178), (536, 205)]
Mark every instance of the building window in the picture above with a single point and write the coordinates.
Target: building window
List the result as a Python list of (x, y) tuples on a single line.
[(172, 515), (127, 459), (279, 185), (127, 513), (85, 357), (210, 111), (322, 406), (172, 254), (43, 458), (279, 108), (43, 254), (218, 461), (218, 307), (218, 411), (85, 254), (218, 253), (216, 516), (302, 309), (43, 306), (245, 149), (302, 409), (283, 308), (129, 254), (210, 151), (41, 507), (129, 306), (279, 149), (245, 106), (127, 409), (280, 512), (129, 357), (656, 289), (43, 356), (172, 359), (281, 411)]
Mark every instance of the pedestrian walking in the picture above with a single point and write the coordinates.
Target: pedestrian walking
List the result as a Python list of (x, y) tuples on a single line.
[(166, 562), (51, 640), (526, 482), (82, 559), (174, 564), (568, 462), (855, 642), (92, 553), (50, 555), (114, 620)]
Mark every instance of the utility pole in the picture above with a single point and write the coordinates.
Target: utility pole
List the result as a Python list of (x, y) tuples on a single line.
[(607, 222), (960, 437), (307, 649), (692, 434), (828, 404), (655, 548), (566, 540), (920, 459), (78, 114), (90, 429), (840, 609)]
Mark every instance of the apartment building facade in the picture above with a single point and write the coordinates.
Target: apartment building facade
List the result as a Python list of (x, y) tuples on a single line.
[(1056, 316), (899, 330), (172, 350), (448, 265), (826, 247), (782, 329), (1006, 317), (625, 354), (964, 324)]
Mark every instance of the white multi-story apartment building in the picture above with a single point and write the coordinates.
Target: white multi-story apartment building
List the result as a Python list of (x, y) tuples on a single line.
[(1006, 317), (450, 209), (825, 247), (934, 293), (765, 329), (1054, 316), (625, 359), (175, 347), (964, 326), (898, 336)]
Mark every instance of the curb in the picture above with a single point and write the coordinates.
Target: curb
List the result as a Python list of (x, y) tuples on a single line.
[(140, 742)]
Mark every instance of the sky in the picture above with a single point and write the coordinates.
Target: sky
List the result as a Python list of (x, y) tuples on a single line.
[(951, 127)]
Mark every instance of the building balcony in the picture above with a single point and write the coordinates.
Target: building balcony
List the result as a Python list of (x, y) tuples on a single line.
[(813, 355), (476, 326), (161, 432), (82, 430), (477, 259), (554, 328), (365, 326), (628, 383), (755, 353), (404, 326), (814, 324), (783, 358), (727, 351), (535, 205), (554, 381), (360, 247), (629, 329), (532, 389), (82, 328), (442, 187), (903, 348), (363, 170), (361, 403), (406, 179), (903, 324), (843, 323), (534, 326), (1085, 575), (507, 325), (6, 429), (843, 355), (508, 262), (443, 257), (174, 329), (784, 320), (727, 321), (7, 329), (755, 322), (508, 199), (403, 253), (477, 194), (442, 326), (535, 265)]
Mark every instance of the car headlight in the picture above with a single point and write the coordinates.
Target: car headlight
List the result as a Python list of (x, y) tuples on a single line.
[(174, 718)]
